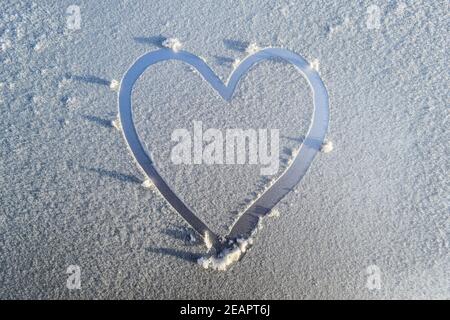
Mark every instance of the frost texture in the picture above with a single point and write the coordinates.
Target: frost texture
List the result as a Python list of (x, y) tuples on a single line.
[(387, 88), (5, 44)]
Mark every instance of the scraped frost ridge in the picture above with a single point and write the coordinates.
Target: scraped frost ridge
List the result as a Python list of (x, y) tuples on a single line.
[(207, 240), (292, 156), (327, 146), (223, 260), (227, 257), (236, 63), (315, 64), (114, 85), (231, 254), (116, 124), (252, 48), (172, 43), (274, 213), (192, 238), (148, 184)]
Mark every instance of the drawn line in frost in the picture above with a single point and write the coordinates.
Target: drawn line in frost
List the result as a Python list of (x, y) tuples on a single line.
[(245, 226)]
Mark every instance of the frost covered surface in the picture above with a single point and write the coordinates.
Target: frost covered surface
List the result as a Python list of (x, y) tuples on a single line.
[(71, 195)]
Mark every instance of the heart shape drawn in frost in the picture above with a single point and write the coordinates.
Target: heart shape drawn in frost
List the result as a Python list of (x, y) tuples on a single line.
[(248, 221)]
